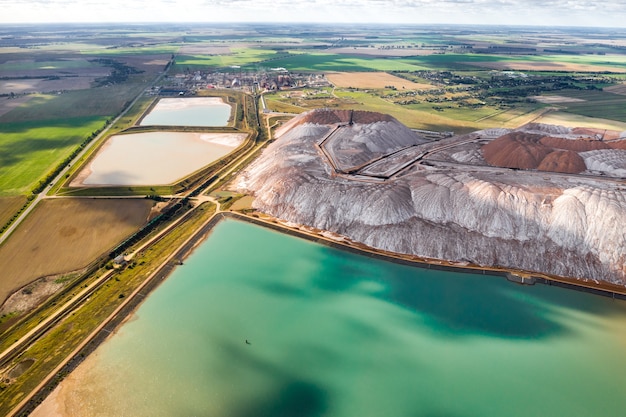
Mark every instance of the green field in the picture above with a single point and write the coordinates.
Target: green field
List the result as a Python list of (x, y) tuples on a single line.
[(452, 61), (306, 61), (293, 61), (598, 104), (618, 61), (449, 61), (429, 116), (29, 65), (282, 107), (36, 136), (457, 62), (336, 62), (29, 150), (129, 51), (413, 118), (238, 56), (102, 101)]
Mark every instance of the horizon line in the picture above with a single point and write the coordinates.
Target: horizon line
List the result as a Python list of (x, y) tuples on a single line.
[(315, 23)]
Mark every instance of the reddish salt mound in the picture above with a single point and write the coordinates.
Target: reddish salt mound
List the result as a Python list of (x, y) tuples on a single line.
[(604, 134), (325, 117), (516, 150), (563, 161), (365, 117), (578, 145), (618, 144), (329, 117)]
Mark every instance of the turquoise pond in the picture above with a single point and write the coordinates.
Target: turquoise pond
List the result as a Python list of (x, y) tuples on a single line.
[(336, 334)]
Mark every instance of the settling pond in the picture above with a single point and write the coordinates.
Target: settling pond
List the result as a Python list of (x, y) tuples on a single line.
[(195, 111), (331, 333), (155, 158)]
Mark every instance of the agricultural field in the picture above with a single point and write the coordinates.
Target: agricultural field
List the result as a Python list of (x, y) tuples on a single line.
[(297, 61), (103, 101), (617, 89), (600, 104), (44, 85), (37, 134), (459, 121), (448, 117), (280, 106), (575, 120), (564, 63), (64, 235), (29, 150), (293, 60), (49, 66), (8, 206), (241, 56), (373, 80)]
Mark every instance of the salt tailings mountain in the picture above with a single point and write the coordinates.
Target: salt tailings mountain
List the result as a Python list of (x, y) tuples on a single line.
[(540, 198)]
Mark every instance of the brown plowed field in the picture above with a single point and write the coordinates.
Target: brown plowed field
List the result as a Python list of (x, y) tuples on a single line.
[(373, 80), (545, 66), (64, 235), (9, 206), (617, 89), (43, 85)]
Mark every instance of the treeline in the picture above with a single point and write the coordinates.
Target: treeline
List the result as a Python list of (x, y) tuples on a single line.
[(120, 72), (170, 212), (17, 214), (41, 185)]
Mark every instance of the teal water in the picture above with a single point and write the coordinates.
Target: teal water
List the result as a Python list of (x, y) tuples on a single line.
[(336, 334)]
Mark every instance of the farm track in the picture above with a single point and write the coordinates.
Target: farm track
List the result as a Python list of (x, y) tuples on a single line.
[(19, 346)]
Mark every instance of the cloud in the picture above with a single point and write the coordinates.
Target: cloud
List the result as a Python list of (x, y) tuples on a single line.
[(537, 12)]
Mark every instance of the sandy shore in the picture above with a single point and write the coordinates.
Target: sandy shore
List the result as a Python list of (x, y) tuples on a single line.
[(51, 407), (84, 173), (74, 396)]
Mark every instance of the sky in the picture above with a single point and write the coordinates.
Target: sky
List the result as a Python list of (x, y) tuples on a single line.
[(606, 13)]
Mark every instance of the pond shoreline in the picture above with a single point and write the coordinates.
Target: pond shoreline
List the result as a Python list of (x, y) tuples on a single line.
[(117, 318)]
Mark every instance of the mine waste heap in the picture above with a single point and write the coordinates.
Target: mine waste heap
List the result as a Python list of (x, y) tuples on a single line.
[(540, 198)]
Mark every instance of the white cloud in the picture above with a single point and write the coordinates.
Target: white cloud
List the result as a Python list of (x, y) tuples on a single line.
[(529, 12)]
